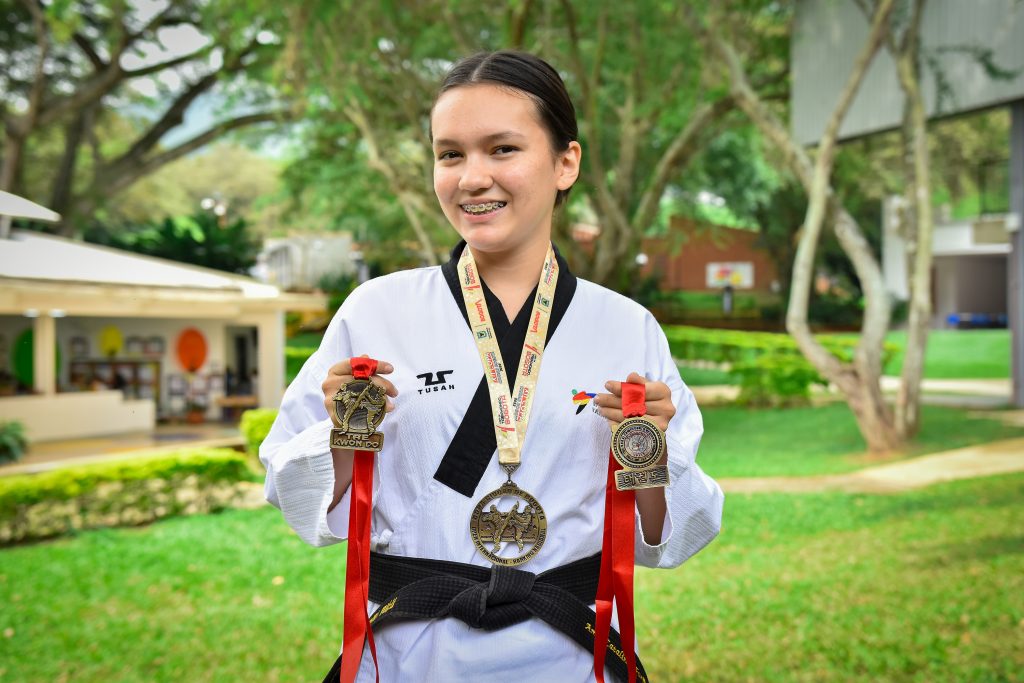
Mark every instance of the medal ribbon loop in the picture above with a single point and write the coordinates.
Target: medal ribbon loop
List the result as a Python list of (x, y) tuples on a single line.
[(511, 415), (357, 627), (618, 553)]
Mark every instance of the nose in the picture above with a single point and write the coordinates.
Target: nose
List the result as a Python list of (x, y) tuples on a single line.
[(475, 175)]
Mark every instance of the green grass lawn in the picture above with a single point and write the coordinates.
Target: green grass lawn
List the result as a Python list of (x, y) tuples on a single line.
[(957, 354), (922, 586), (741, 442)]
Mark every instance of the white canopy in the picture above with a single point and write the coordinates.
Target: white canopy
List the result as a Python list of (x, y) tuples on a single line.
[(19, 207)]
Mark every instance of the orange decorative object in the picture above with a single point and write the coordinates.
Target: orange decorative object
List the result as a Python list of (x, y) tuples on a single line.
[(191, 349)]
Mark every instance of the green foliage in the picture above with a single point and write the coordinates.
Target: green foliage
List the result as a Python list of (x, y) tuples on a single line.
[(199, 239), (13, 442), (294, 358), (119, 492), (255, 425), (337, 287), (768, 367), (732, 346), (775, 379)]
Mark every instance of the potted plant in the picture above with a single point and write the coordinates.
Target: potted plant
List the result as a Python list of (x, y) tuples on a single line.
[(12, 441), (195, 412)]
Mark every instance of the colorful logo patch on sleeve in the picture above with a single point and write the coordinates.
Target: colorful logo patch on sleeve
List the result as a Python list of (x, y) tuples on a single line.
[(580, 399)]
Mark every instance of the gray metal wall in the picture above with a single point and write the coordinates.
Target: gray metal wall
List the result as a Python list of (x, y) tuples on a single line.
[(828, 34)]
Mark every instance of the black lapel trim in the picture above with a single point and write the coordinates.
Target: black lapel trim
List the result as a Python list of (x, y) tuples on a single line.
[(473, 445)]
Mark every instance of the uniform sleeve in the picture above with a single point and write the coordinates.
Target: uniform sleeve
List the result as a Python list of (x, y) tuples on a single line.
[(297, 453), (693, 499)]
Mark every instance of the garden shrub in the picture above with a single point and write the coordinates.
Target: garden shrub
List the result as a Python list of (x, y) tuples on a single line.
[(12, 441), (255, 425), (775, 380), (122, 492), (294, 358), (769, 367)]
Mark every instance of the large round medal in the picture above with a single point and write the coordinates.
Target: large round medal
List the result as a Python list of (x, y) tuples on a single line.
[(637, 443), (508, 526)]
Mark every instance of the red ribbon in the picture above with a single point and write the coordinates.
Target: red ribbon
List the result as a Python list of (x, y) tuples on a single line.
[(357, 627), (618, 554)]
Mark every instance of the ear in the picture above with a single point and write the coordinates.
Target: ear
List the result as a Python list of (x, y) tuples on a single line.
[(567, 165)]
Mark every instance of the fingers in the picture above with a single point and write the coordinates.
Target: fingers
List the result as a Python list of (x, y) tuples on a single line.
[(657, 397), (341, 373)]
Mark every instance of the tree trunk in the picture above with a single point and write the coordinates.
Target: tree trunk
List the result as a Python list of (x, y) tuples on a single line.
[(62, 188), (908, 400), (859, 381)]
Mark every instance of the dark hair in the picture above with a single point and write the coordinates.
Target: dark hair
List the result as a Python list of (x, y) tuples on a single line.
[(531, 75)]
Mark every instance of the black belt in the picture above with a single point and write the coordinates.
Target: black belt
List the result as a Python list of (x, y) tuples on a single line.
[(492, 598)]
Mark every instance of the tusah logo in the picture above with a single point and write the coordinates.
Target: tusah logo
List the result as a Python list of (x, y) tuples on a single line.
[(580, 399), (439, 384)]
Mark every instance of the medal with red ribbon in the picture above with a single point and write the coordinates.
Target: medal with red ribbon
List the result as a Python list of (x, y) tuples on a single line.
[(637, 446), (359, 408)]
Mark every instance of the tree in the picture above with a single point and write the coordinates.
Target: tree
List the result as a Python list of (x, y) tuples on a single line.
[(86, 58), (646, 108), (202, 239), (858, 380)]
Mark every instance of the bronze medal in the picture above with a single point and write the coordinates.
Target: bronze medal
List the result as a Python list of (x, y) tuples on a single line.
[(521, 526), (637, 445), (359, 408)]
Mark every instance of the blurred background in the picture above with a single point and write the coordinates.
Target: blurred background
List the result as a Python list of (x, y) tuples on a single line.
[(820, 201)]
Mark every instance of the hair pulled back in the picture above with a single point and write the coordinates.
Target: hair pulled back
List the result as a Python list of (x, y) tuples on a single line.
[(529, 74)]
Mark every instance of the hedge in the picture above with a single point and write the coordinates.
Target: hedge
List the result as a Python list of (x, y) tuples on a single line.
[(255, 425), (122, 492), (294, 358), (769, 367)]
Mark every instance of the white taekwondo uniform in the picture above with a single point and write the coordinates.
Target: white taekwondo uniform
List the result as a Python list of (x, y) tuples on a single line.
[(414, 321)]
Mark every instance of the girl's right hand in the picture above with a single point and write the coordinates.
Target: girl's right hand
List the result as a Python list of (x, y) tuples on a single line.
[(341, 373)]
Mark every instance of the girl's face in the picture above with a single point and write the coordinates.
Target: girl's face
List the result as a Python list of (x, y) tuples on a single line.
[(495, 173)]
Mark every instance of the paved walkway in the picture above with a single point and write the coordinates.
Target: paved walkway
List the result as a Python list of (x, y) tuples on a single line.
[(997, 457)]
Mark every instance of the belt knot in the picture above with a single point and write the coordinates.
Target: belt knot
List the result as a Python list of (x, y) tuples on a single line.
[(497, 603)]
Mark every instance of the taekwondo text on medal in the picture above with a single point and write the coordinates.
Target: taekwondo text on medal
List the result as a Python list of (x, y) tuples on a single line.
[(359, 408)]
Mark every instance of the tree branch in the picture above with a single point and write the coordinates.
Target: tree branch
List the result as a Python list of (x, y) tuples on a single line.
[(679, 151), (90, 53), (170, 63), (122, 174)]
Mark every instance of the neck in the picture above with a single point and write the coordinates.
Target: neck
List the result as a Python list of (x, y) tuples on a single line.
[(512, 276)]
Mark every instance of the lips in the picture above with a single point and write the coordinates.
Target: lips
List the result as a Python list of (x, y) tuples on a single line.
[(482, 208)]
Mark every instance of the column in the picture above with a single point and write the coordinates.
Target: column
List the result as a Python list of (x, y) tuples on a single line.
[(270, 357), (1015, 265), (44, 343)]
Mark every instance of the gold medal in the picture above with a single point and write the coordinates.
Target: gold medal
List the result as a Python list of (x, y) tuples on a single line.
[(508, 520), (359, 408), (637, 445)]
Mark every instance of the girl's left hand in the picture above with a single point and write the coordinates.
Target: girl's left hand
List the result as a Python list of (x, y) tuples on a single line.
[(658, 398)]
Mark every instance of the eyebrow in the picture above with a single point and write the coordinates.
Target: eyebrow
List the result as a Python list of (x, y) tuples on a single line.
[(493, 137)]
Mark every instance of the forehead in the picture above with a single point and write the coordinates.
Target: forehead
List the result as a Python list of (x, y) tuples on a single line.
[(470, 112)]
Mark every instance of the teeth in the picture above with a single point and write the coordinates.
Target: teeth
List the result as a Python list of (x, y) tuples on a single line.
[(482, 208)]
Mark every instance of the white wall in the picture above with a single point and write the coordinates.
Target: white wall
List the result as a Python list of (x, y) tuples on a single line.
[(77, 416), (168, 330)]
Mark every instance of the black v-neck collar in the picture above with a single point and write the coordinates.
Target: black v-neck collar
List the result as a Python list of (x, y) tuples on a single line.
[(564, 290), (473, 445)]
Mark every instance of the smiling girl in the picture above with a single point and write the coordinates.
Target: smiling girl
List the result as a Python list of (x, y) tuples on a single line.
[(488, 515)]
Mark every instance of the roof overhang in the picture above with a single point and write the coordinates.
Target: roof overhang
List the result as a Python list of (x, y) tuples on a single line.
[(92, 299)]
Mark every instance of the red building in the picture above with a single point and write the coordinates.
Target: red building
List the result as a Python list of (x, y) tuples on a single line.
[(698, 257)]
